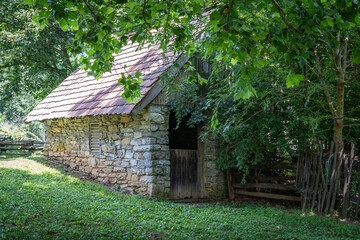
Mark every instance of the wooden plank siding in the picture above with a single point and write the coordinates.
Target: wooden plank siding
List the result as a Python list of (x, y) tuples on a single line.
[(183, 175)]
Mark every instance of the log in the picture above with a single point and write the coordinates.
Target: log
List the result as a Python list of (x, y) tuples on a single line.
[(21, 143), (267, 186), (15, 153), (22, 148), (277, 166), (268, 195), (270, 178)]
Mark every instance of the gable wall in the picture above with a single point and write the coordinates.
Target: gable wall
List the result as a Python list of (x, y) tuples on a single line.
[(134, 149)]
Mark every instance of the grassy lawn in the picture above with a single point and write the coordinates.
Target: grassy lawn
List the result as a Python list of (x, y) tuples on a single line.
[(39, 202)]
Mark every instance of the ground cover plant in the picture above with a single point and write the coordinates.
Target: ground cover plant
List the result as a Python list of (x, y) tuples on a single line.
[(40, 202)]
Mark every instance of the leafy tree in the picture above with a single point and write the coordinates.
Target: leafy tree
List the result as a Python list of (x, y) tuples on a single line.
[(313, 41), (31, 59)]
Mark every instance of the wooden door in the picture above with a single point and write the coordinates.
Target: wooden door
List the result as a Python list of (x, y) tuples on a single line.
[(184, 173)]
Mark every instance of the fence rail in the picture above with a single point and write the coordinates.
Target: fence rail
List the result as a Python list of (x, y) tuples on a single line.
[(26, 147), (260, 185)]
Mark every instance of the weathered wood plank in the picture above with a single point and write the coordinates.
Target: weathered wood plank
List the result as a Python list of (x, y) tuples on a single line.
[(268, 195), (270, 178), (230, 185), (266, 185), (183, 174), (22, 148), (336, 183), (277, 166), (15, 153), (154, 92), (20, 143)]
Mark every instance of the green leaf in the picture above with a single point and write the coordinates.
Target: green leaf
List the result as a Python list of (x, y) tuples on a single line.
[(356, 56), (234, 61), (293, 80), (63, 24), (29, 2), (137, 74)]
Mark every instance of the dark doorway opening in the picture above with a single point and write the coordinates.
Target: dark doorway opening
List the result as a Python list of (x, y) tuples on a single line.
[(182, 137), (184, 158)]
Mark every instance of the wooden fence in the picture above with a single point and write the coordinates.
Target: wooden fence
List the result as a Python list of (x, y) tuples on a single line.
[(323, 178), (280, 186), (20, 147)]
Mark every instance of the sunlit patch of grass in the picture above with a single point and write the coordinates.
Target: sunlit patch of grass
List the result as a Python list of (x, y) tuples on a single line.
[(28, 165), (39, 202)]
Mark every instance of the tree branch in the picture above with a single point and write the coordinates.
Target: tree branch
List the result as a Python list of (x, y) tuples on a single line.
[(227, 13), (92, 12), (282, 14)]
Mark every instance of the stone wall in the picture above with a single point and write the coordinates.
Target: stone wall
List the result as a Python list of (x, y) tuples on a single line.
[(134, 151), (215, 182)]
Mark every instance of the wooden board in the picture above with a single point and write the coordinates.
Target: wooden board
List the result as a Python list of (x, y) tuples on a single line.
[(277, 166), (27, 143), (268, 195), (15, 153), (266, 185), (270, 178), (183, 175)]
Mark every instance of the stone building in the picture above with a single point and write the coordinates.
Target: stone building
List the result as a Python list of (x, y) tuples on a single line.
[(89, 126)]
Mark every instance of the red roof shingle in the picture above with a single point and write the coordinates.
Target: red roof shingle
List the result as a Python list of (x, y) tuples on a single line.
[(82, 95)]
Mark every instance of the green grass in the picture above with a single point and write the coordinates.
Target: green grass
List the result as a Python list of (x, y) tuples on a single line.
[(38, 202)]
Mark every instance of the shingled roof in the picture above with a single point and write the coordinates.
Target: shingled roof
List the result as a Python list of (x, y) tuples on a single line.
[(82, 95)]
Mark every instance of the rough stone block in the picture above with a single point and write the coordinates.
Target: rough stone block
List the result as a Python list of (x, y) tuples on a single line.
[(154, 128), (137, 135), (135, 142), (113, 128), (148, 140), (164, 162), (121, 176), (211, 164), (125, 164), (158, 155), (157, 118), (126, 130), (143, 148), (145, 163), (163, 140), (125, 141), (147, 179), (119, 169), (133, 162), (125, 119), (155, 109), (129, 154), (108, 163), (107, 170)]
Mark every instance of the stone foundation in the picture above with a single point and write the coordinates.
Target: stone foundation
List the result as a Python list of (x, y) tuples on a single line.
[(134, 151)]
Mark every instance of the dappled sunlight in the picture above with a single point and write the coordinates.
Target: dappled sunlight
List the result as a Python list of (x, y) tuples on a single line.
[(32, 166)]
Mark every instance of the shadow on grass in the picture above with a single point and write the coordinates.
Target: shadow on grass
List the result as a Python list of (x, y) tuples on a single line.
[(39, 202)]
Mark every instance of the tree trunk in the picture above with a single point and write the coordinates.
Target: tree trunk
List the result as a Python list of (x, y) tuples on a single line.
[(340, 60)]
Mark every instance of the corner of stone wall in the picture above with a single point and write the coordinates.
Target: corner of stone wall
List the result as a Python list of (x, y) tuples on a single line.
[(160, 157), (215, 182)]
